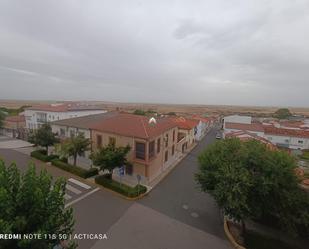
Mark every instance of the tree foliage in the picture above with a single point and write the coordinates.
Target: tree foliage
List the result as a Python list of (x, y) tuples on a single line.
[(110, 157), (43, 137), (31, 204), (282, 113), (2, 117), (139, 112), (74, 146), (249, 181)]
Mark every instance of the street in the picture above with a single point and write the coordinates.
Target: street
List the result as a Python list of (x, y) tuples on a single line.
[(175, 210)]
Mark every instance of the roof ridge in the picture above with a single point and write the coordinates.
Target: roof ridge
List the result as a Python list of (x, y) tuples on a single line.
[(143, 124)]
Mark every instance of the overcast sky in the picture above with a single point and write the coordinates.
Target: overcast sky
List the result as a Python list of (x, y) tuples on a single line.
[(240, 52)]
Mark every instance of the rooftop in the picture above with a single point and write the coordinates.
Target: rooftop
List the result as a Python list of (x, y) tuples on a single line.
[(184, 123), (18, 118), (63, 107), (287, 132), (133, 125), (84, 122), (246, 127)]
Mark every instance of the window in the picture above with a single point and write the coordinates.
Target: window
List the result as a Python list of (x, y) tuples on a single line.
[(151, 149), (158, 145), (166, 140), (72, 133), (99, 141), (81, 133), (166, 156), (286, 140), (140, 150), (173, 150), (112, 140), (173, 135), (129, 169), (62, 132), (300, 141)]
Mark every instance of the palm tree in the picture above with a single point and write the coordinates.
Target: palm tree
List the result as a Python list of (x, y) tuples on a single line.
[(75, 146)]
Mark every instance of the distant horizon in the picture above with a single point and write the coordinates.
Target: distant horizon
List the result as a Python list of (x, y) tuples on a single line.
[(150, 103)]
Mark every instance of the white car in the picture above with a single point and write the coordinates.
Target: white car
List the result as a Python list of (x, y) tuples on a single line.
[(218, 136)]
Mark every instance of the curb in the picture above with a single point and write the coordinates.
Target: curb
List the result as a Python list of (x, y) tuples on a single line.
[(230, 236), (118, 194)]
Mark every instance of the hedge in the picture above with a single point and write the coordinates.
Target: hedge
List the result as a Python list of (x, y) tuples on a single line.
[(42, 155), (84, 173), (121, 188)]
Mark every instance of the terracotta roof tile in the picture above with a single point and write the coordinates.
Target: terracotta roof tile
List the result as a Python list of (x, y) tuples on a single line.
[(246, 127), (287, 132), (133, 125), (184, 123)]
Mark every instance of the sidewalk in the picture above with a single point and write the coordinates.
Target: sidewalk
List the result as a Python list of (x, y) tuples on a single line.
[(165, 172), (276, 234)]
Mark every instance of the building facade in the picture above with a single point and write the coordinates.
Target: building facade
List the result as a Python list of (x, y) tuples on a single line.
[(37, 115)]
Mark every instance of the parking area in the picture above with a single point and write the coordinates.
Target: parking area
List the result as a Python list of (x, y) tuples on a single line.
[(12, 143)]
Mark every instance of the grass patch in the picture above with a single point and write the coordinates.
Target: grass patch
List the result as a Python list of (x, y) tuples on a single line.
[(81, 172), (305, 155), (258, 241), (107, 182)]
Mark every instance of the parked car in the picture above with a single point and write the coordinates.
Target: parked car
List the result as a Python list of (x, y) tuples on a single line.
[(218, 136)]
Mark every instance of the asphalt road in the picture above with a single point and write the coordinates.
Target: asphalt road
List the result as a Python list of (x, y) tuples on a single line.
[(178, 196)]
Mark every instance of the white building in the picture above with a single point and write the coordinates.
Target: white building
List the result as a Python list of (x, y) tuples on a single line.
[(237, 119), (288, 138), (38, 115)]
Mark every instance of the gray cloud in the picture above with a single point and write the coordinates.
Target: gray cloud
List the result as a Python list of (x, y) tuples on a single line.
[(224, 52)]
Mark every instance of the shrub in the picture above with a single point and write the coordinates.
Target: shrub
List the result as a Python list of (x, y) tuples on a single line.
[(42, 155), (123, 189), (305, 155), (84, 173)]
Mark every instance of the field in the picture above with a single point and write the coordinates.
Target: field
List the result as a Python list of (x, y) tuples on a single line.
[(165, 108)]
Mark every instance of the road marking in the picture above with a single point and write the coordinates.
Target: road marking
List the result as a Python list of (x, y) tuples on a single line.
[(195, 215), (82, 197), (83, 185), (72, 189), (67, 197), (185, 207)]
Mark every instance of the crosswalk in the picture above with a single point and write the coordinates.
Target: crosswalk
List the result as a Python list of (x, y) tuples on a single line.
[(75, 189)]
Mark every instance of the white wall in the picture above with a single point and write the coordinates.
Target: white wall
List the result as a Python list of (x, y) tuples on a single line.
[(237, 119), (32, 116), (290, 142), (69, 130)]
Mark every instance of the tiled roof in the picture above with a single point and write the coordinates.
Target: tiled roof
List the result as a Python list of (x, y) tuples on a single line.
[(202, 119), (18, 118), (133, 125), (184, 123), (287, 132), (84, 122), (63, 107), (245, 136), (245, 127)]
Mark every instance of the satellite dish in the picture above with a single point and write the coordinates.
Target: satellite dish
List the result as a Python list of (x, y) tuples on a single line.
[(152, 121)]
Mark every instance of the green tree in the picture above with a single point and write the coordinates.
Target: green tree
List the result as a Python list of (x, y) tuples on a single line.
[(2, 117), (139, 112), (249, 181), (282, 113), (74, 146), (30, 203), (110, 157), (43, 137)]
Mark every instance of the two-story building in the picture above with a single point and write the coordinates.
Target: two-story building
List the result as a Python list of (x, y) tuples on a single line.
[(40, 114), (153, 143)]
